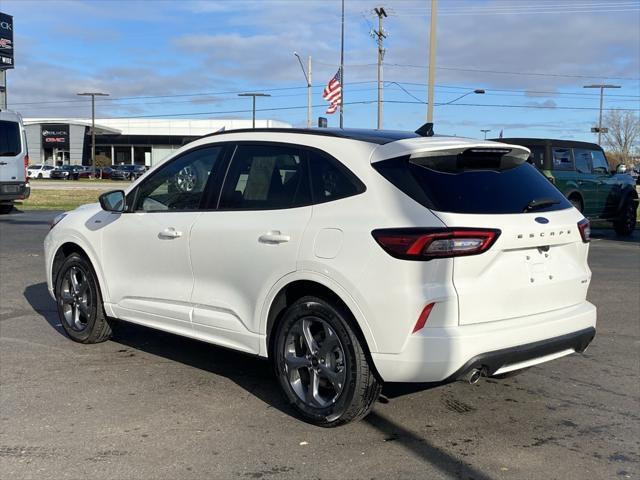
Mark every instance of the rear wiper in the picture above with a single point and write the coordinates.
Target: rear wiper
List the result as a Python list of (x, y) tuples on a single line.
[(537, 203)]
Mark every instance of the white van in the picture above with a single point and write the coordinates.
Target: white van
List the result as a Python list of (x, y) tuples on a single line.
[(13, 160)]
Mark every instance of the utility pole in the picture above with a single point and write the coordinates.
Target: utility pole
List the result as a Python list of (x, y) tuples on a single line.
[(309, 86), (342, 68), (253, 96), (601, 86), (485, 131), (432, 60), (380, 35), (3, 89), (93, 96)]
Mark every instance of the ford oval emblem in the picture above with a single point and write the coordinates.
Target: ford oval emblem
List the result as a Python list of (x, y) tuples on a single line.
[(541, 220)]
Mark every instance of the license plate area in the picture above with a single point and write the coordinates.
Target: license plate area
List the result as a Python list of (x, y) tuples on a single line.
[(537, 265), (10, 188)]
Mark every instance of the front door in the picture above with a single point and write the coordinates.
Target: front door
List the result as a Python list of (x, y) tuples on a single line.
[(587, 182), (241, 250), (146, 252), (607, 197)]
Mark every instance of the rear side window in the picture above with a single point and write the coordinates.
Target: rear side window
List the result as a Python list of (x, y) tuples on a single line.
[(537, 157), (476, 186), (562, 159), (583, 160), (599, 161), (263, 177), (9, 139), (331, 181)]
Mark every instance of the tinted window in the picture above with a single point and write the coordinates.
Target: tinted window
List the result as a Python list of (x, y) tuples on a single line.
[(485, 190), (9, 139), (180, 184), (562, 159), (266, 177), (599, 161), (330, 179), (537, 157), (583, 160)]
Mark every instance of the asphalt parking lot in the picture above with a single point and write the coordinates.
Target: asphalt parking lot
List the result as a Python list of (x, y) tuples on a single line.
[(151, 405)]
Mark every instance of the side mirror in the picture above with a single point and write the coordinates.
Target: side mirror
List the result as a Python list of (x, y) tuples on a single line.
[(113, 201), (622, 168)]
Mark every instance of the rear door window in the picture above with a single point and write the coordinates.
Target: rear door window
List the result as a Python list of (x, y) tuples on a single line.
[(583, 160), (562, 159), (478, 186), (9, 139), (264, 177)]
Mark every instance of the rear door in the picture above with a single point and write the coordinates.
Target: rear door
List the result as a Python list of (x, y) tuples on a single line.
[(240, 250), (538, 262), (12, 152)]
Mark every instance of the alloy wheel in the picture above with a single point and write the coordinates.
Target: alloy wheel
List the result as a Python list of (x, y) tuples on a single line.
[(186, 179), (315, 362), (76, 299)]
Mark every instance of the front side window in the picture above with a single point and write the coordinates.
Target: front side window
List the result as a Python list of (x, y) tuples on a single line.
[(583, 160), (263, 177), (180, 184), (562, 159), (599, 161)]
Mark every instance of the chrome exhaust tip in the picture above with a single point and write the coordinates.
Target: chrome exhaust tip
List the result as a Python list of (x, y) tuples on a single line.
[(473, 376)]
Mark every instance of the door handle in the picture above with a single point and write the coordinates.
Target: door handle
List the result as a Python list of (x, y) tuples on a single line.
[(169, 232), (273, 237)]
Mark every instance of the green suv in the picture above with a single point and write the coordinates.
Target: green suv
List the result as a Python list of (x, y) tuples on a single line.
[(580, 170)]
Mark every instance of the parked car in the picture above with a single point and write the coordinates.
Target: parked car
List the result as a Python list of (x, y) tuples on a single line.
[(69, 172), (39, 171), (582, 173), (14, 159), (104, 172), (635, 174), (127, 172), (348, 258)]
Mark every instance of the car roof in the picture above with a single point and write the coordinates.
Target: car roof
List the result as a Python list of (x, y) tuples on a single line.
[(548, 141), (379, 137)]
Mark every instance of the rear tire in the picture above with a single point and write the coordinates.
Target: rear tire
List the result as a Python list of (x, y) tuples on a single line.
[(4, 208), (79, 301), (577, 203), (625, 224), (321, 364)]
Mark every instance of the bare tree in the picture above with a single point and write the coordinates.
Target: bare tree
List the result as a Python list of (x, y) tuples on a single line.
[(623, 134)]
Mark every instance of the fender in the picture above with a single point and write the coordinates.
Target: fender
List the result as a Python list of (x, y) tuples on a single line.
[(325, 281)]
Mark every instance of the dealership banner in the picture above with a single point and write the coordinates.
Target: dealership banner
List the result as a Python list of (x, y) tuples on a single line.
[(6, 41), (55, 136)]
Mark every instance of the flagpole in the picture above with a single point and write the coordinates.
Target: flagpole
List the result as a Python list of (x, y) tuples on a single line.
[(342, 67)]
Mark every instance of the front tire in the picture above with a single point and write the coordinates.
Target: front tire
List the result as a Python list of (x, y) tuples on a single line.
[(625, 224), (79, 301), (321, 364)]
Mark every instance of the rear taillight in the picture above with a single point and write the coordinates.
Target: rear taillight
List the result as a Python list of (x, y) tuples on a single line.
[(26, 165), (425, 244), (585, 230)]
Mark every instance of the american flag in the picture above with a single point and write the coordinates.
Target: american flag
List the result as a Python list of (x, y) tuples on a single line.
[(333, 93)]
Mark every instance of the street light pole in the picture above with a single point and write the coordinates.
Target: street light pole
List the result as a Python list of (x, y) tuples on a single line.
[(309, 92), (432, 60), (477, 91), (485, 131), (93, 96), (253, 96), (601, 86)]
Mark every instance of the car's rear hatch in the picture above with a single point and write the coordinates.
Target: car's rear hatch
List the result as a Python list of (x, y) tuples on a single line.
[(538, 262), (12, 168)]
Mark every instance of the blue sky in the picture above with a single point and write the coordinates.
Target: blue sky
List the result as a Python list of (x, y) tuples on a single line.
[(190, 58)]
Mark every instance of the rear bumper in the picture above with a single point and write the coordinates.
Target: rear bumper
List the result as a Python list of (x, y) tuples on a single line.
[(439, 354), (10, 191)]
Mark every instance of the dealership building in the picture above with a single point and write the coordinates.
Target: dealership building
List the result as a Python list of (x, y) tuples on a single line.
[(148, 141)]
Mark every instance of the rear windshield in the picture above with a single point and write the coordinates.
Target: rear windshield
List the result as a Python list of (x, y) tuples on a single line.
[(458, 185), (9, 139)]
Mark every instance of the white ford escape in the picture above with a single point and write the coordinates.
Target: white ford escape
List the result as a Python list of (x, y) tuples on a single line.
[(349, 258)]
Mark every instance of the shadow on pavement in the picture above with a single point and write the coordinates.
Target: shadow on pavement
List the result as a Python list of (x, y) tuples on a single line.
[(251, 373), (450, 466)]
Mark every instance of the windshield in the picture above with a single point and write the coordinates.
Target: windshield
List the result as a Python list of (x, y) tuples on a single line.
[(461, 185)]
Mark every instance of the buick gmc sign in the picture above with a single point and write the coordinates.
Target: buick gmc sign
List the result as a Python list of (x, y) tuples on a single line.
[(6, 41), (55, 136)]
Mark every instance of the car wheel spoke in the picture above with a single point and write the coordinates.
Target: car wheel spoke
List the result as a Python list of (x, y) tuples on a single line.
[(295, 363), (309, 341)]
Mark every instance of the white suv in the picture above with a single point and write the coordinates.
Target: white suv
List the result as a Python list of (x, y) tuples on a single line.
[(349, 258)]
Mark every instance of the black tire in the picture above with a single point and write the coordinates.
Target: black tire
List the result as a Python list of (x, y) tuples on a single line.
[(40, 176), (6, 208), (625, 224), (576, 202), (89, 324), (347, 401)]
